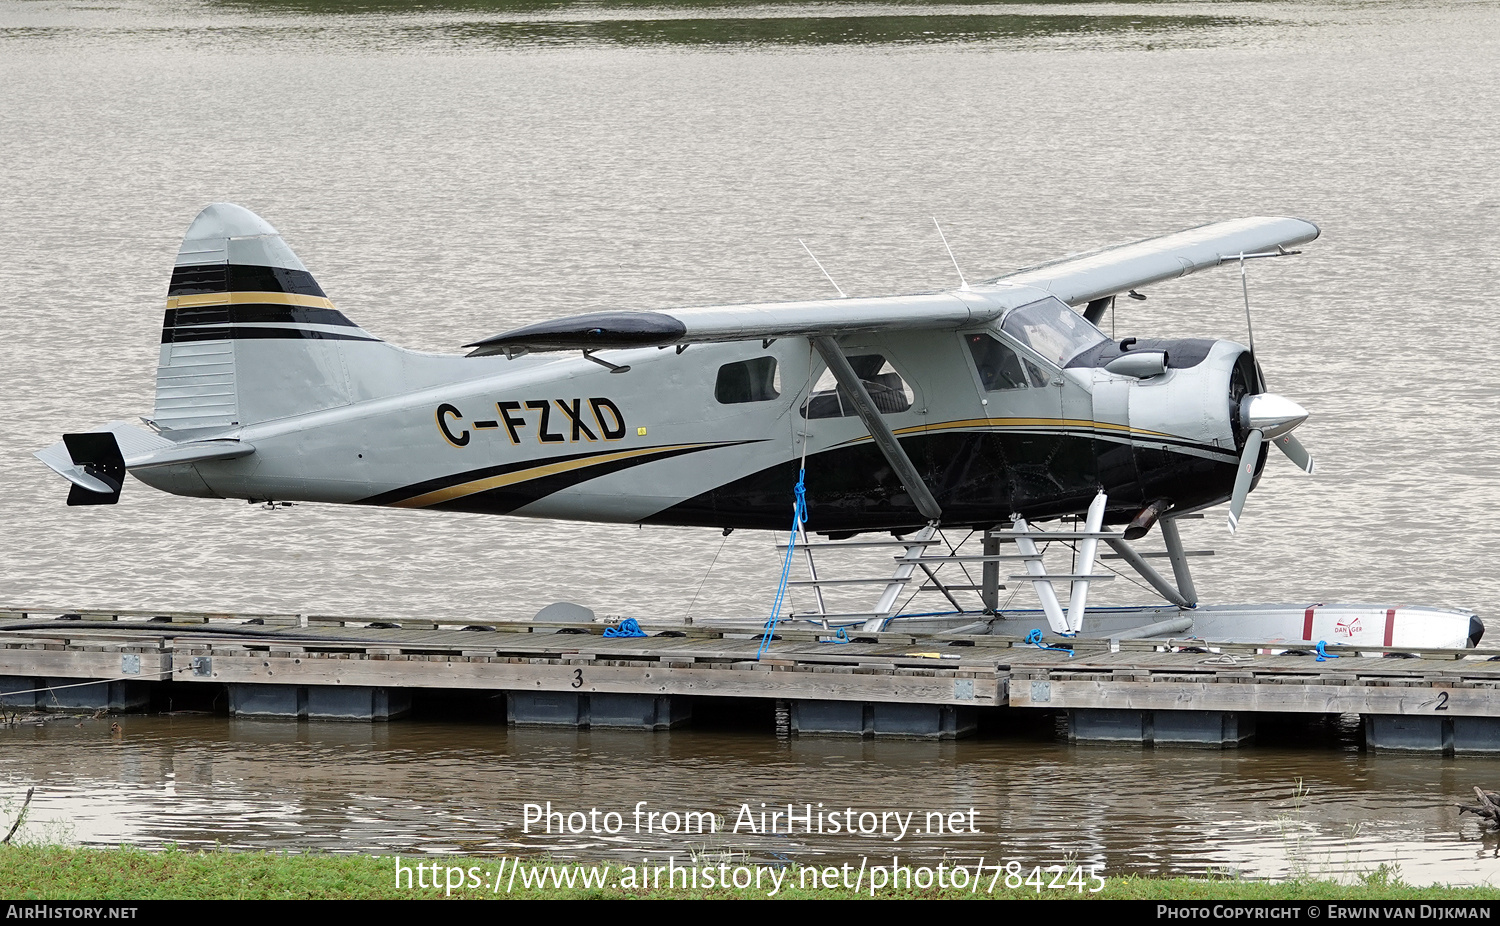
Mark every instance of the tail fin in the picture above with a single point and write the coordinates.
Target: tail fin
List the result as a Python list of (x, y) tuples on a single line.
[(249, 335)]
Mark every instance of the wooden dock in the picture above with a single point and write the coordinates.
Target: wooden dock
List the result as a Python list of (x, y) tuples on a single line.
[(1159, 692)]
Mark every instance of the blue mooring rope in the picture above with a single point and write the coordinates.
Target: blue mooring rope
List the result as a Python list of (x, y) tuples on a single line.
[(1035, 639), (627, 628), (799, 511), (1324, 655)]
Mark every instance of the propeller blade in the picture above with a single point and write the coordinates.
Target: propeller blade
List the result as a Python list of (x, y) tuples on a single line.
[(1246, 476), (1295, 451)]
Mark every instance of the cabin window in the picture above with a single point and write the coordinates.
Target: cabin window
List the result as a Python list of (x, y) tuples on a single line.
[(755, 380), (1053, 330), (999, 367), (887, 390)]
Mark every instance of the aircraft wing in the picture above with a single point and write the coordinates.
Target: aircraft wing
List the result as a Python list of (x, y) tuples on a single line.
[(1085, 277), (603, 330), (1075, 280)]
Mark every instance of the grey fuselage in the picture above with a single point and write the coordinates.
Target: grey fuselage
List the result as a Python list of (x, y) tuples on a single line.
[(1005, 400), (559, 436)]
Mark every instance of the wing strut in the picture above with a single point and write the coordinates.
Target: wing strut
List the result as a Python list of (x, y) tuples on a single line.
[(838, 364)]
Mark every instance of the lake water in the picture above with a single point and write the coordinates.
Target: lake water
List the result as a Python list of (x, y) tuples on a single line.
[(453, 170)]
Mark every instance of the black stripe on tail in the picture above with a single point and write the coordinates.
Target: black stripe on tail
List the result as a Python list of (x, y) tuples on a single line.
[(195, 279)]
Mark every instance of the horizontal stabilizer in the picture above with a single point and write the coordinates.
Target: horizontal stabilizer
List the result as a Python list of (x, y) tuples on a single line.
[(198, 451), (95, 462)]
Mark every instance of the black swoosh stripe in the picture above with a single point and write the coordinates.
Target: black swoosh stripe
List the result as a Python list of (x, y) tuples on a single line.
[(583, 474), (979, 479), (507, 499)]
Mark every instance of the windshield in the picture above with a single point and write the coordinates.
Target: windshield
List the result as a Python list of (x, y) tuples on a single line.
[(1053, 330)]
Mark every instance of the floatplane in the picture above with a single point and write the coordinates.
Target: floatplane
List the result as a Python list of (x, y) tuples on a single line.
[(1000, 407)]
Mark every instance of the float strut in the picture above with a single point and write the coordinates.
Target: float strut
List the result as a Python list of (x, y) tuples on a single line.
[(1149, 573), (1087, 547), (989, 583), (1180, 571)]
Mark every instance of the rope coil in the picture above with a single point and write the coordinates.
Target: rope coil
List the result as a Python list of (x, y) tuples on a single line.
[(1034, 638), (627, 628)]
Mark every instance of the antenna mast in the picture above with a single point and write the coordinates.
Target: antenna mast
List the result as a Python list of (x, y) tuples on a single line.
[(950, 254), (842, 294)]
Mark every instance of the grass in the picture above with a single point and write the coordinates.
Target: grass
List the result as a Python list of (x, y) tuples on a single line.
[(40, 872)]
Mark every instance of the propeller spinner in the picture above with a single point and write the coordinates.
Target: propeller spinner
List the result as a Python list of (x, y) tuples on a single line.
[(1265, 416)]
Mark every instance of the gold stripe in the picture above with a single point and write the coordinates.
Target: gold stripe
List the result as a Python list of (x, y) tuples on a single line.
[(1031, 423), (191, 302), (525, 475)]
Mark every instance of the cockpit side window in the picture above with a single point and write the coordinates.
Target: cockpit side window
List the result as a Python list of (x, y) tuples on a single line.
[(999, 367), (754, 380), (1053, 330), (887, 390)]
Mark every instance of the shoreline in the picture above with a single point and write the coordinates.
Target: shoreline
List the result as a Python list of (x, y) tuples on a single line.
[(128, 873)]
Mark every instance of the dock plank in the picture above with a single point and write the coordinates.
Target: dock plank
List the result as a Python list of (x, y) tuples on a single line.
[(1306, 697), (757, 681), (721, 661)]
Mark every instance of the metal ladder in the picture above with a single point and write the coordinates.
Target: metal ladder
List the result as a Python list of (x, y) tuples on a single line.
[(914, 555)]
